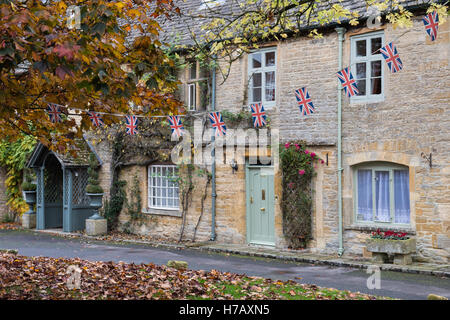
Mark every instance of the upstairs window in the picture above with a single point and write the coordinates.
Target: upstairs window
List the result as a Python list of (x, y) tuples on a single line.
[(367, 66), (262, 72), (197, 95), (382, 194)]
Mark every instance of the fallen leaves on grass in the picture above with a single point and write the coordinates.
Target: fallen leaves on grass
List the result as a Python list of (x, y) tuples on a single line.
[(46, 278)]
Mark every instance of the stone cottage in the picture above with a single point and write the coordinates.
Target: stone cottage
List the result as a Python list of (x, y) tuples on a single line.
[(385, 154)]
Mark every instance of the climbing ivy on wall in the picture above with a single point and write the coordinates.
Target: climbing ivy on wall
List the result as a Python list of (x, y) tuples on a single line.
[(297, 165), (13, 156)]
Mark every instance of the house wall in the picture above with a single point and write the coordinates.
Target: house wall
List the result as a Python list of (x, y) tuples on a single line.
[(296, 59), (163, 224), (413, 118)]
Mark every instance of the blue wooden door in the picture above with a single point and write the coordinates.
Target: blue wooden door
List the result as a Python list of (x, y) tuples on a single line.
[(260, 205)]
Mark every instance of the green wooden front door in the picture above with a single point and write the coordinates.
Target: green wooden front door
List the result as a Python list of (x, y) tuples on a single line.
[(260, 205)]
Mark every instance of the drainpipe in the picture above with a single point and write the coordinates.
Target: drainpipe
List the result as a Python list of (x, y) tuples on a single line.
[(213, 158), (340, 32)]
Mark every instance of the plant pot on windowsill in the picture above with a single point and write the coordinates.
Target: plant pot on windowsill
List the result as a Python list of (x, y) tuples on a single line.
[(400, 247)]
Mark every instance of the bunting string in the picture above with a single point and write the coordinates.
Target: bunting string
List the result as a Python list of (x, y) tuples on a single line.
[(389, 52)]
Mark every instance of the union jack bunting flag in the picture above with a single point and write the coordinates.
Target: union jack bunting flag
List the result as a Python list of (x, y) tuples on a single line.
[(348, 82), (304, 101), (390, 54), (431, 22), (96, 119), (217, 123), (54, 113), (176, 125), (258, 114), (131, 125)]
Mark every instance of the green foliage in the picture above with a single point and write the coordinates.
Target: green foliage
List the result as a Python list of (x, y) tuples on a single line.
[(8, 218), (93, 186), (113, 206), (134, 204), (13, 156), (28, 184), (243, 117), (298, 170), (234, 119), (117, 195)]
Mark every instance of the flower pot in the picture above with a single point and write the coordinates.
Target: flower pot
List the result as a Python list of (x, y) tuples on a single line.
[(30, 199), (95, 203), (400, 249)]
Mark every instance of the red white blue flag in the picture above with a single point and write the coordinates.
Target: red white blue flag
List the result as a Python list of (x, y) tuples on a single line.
[(217, 123), (390, 54), (131, 125), (431, 22), (96, 119), (304, 101), (258, 114), (54, 113), (176, 125), (348, 82)]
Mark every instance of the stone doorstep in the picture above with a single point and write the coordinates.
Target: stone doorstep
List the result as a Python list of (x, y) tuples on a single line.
[(287, 255)]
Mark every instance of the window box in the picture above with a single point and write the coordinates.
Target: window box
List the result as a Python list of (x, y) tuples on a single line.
[(400, 249)]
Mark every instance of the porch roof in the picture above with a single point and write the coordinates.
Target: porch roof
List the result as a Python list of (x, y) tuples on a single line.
[(84, 148)]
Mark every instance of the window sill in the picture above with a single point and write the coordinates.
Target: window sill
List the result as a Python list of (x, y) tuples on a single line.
[(370, 228), (365, 101), (162, 212)]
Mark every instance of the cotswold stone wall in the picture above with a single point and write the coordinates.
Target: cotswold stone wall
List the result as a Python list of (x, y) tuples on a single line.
[(103, 148), (413, 118), (165, 224)]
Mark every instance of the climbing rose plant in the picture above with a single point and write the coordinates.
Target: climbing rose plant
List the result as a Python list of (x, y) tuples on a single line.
[(298, 169)]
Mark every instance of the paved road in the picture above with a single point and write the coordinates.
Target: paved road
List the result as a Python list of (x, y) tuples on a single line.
[(393, 284)]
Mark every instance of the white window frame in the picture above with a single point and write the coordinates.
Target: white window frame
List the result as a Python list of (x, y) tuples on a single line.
[(163, 184), (192, 102), (380, 167), (194, 99), (368, 59), (263, 71)]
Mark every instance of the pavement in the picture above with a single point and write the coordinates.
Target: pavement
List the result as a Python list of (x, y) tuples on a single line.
[(393, 284)]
